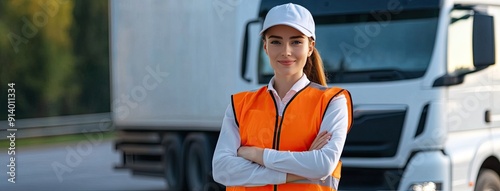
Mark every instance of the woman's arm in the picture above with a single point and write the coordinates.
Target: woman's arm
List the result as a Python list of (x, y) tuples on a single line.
[(232, 170), (315, 164), (255, 154)]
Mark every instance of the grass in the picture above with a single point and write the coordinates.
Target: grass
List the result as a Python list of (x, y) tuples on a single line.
[(43, 141)]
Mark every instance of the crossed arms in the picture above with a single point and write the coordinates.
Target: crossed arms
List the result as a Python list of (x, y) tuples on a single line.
[(236, 165)]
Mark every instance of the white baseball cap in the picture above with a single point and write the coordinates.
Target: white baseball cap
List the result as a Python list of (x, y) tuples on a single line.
[(292, 15)]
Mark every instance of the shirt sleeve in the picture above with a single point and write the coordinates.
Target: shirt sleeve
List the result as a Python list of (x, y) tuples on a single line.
[(231, 170), (316, 164)]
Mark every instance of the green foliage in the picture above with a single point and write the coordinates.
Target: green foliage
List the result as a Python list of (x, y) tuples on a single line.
[(90, 33), (56, 52)]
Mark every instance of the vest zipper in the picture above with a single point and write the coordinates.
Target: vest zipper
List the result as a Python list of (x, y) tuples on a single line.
[(275, 136), (277, 126)]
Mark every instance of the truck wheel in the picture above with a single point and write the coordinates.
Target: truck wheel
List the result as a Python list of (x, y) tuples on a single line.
[(172, 159), (198, 149), (487, 180)]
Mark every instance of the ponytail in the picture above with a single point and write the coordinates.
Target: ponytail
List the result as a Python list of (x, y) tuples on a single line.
[(314, 68)]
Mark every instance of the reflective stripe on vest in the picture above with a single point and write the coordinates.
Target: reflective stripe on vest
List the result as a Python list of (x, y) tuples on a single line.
[(260, 125)]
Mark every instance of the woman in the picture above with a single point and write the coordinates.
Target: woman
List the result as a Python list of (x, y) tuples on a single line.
[(288, 135)]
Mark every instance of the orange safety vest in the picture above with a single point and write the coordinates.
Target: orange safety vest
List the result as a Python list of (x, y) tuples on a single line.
[(256, 115)]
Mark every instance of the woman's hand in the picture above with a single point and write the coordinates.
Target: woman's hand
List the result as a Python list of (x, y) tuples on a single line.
[(320, 140), (254, 154)]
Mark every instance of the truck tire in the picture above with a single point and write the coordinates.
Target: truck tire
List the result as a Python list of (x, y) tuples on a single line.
[(198, 152), (172, 159), (487, 180)]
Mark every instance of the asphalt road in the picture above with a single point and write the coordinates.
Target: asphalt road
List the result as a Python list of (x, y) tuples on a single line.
[(83, 165)]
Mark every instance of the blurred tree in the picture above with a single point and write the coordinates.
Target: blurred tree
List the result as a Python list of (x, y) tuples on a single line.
[(36, 53), (90, 36), (59, 67)]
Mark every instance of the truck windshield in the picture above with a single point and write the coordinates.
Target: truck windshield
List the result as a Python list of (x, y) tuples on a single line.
[(372, 47)]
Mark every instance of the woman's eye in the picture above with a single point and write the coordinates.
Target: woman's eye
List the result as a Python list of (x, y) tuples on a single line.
[(296, 42), (275, 42)]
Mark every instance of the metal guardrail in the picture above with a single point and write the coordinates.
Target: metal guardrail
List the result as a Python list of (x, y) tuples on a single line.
[(59, 125)]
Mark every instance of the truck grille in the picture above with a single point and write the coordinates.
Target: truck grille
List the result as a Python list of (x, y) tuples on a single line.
[(360, 179), (375, 133)]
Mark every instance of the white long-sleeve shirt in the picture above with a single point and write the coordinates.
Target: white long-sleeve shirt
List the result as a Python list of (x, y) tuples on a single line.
[(231, 170)]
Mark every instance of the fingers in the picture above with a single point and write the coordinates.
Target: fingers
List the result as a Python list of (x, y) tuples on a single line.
[(254, 154), (321, 140), (321, 136), (242, 151), (315, 144)]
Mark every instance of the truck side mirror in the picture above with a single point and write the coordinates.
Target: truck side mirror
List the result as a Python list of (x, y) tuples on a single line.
[(483, 40)]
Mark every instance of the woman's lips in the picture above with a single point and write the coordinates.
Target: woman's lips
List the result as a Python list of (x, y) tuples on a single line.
[(286, 62)]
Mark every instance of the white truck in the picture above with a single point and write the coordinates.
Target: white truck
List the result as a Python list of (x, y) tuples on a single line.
[(424, 77)]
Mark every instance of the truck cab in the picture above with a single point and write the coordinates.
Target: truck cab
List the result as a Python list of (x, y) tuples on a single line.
[(425, 90)]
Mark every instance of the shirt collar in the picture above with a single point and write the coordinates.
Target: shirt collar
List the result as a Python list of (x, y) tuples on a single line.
[(300, 84)]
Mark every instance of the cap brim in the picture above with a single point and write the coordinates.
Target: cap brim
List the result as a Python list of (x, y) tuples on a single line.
[(293, 25)]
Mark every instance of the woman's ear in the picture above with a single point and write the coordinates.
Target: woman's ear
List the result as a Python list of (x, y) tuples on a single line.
[(311, 47)]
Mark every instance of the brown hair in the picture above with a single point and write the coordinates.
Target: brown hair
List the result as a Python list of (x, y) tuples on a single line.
[(314, 68)]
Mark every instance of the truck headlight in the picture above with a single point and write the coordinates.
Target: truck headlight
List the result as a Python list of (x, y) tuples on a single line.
[(425, 186)]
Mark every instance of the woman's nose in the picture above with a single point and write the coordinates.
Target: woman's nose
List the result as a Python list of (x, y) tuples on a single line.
[(286, 50)]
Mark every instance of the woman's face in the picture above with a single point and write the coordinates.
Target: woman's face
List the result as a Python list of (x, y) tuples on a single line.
[(288, 50)]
